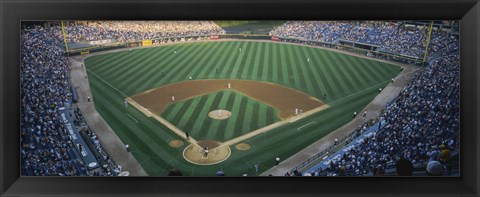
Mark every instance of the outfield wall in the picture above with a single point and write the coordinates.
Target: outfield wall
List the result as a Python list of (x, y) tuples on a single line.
[(354, 47)]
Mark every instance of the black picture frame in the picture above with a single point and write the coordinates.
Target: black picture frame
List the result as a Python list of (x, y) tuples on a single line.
[(12, 12)]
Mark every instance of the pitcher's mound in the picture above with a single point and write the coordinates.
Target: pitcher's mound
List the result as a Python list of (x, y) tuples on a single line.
[(242, 146), (220, 114), (196, 154), (175, 143)]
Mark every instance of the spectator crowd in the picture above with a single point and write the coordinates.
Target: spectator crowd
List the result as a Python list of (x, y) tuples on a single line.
[(393, 37), (130, 31), (47, 148), (422, 120)]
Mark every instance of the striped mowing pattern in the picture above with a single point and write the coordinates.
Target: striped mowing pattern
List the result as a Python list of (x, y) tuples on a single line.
[(350, 84), (192, 115)]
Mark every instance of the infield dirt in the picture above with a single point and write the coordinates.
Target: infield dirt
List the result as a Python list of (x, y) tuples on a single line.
[(284, 99)]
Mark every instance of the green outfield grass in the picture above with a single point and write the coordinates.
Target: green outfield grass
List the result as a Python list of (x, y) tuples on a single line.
[(247, 115), (350, 83)]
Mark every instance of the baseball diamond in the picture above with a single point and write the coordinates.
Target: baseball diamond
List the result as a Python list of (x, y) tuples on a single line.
[(282, 97)]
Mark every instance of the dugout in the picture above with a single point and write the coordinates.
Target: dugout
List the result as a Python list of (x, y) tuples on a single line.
[(82, 150), (357, 45), (74, 94)]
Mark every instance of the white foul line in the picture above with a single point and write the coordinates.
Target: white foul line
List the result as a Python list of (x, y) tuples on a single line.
[(132, 117), (107, 83), (300, 128)]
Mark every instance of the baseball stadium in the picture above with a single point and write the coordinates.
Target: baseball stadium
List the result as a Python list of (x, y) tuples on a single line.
[(240, 98)]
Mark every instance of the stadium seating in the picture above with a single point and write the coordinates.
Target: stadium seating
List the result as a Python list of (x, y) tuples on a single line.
[(129, 31), (391, 36), (47, 147)]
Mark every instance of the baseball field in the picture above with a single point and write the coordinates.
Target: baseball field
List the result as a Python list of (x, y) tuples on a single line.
[(248, 102)]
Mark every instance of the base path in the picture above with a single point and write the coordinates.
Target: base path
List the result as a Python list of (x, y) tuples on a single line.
[(272, 126), (169, 125)]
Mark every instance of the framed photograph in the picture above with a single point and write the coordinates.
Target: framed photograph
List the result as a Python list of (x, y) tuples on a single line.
[(239, 98)]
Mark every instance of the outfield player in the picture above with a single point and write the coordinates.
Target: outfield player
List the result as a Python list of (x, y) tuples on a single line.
[(308, 59)]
